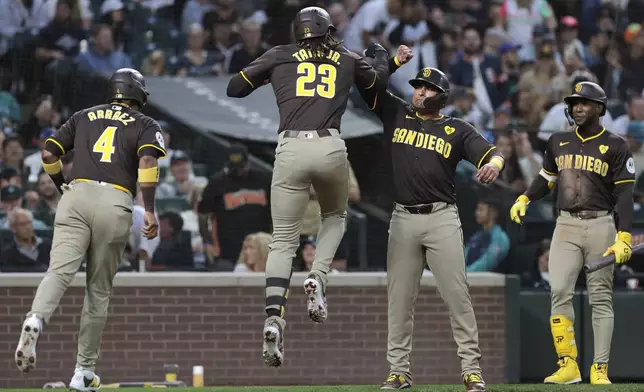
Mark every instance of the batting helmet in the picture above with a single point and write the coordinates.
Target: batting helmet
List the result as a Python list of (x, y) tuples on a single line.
[(587, 91), (128, 83), (436, 79), (311, 22)]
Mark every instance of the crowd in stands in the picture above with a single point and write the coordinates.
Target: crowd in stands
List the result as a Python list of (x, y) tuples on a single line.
[(510, 63)]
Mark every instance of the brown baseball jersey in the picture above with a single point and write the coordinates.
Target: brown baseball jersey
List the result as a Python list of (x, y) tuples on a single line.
[(425, 153), (107, 141), (587, 169), (311, 92)]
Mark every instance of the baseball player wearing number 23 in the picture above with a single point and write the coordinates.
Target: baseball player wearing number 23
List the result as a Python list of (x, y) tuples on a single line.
[(594, 173), (425, 229)]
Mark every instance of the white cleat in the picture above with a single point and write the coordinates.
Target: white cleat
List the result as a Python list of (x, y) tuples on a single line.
[(317, 300), (26, 351), (273, 343), (85, 381)]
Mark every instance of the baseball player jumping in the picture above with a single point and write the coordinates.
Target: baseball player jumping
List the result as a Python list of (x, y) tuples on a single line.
[(311, 80), (425, 229), (111, 143), (594, 172)]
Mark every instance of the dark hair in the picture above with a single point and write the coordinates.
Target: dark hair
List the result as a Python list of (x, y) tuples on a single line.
[(9, 139), (320, 45), (175, 220), (472, 26), (98, 27)]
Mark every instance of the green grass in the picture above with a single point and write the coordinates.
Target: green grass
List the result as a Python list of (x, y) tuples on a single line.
[(420, 388)]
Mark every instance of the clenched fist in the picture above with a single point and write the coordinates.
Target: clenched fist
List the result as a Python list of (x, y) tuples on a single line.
[(404, 54)]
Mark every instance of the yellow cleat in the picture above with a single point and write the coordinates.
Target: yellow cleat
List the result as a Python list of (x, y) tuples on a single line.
[(599, 374), (568, 373)]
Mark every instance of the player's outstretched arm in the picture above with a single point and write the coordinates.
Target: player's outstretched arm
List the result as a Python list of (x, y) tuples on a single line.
[(254, 76)]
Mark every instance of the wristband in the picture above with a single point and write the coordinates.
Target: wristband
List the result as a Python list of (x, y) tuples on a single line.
[(396, 61), (149, 175), (53, 168), (497, 161)]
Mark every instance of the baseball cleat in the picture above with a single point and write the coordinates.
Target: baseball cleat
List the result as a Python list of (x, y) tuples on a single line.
[(273, 342), (568, 373), (474, 383), (599, 374), (26, 351), (85, 381), (395, 381), (317, 301)]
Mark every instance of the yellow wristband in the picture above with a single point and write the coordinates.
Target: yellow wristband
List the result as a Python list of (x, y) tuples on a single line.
[(149, 175), (497, 161), (396, 61), (53, 168), (624, 236), (523, 199)]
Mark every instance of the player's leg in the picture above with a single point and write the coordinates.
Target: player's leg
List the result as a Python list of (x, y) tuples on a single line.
[(69, 244), (405, 263), (289, 198), (601, 234), (331, 184), (565, 262), (443, 241), (110, 233)]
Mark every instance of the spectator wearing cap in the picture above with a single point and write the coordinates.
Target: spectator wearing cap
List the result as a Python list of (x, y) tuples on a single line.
[(634, 112), (489, 246), (10, 176), (479, 71), (635, 138), (113, 14), (555, 120), (463, 106), (45, 115), (236, 202), (510, 65), (569, 33), (27, 252), (632, 77), (33, 162), (13, 154), (11, 197), (102, 56), (183, 179), (540, 80)]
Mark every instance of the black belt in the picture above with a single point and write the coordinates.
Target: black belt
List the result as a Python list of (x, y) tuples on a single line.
[(320, 133), (584, 214), (419, 210)]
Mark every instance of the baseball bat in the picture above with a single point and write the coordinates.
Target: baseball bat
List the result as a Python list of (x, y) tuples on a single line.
[(607, 260)]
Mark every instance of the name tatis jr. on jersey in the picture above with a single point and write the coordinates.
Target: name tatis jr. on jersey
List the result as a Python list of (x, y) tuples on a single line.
[(582, 162), (422, 140), (107, 114)]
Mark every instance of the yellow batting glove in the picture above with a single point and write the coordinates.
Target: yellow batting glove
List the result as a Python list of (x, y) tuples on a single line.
[(621, 248), (518, 208)]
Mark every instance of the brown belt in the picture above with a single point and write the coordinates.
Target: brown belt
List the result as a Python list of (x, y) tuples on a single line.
[(320, 133), (584, 214)]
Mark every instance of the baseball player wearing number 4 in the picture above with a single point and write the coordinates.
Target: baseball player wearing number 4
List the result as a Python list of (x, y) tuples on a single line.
[(425, 229), (114, 146), (311, 81), (594, 173)]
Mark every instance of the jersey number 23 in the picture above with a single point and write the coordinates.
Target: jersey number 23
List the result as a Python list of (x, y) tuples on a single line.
[(307, 74)]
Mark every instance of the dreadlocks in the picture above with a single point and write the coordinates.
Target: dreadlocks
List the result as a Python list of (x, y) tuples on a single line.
[(320, 46)]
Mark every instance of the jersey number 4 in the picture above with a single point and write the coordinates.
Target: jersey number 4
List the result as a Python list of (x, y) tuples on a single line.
[(308, 72), (105, 144)]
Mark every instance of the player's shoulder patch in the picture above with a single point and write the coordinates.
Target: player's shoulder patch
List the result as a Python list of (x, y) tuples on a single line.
[(160, 140)]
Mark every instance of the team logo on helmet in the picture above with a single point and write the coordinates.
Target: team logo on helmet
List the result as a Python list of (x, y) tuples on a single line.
[(427, 72), (578, 87), (307, 31)]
